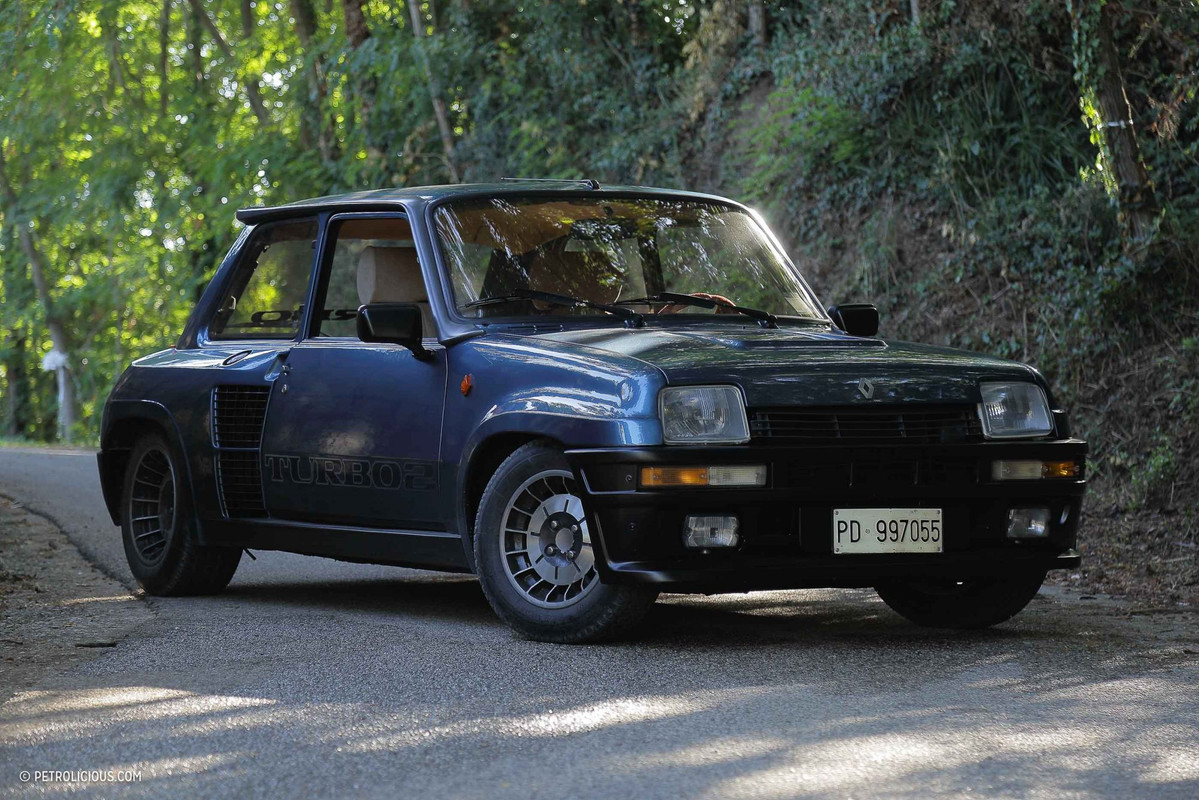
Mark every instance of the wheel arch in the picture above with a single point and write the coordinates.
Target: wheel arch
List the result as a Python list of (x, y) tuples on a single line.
[(481, 464), (125, 422)]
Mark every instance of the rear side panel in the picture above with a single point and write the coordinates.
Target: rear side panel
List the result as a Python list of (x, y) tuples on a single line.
[(173, 390)]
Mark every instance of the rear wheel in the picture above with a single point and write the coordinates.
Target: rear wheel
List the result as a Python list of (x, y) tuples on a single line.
[(535, 556), (158, 529), (973, 603)]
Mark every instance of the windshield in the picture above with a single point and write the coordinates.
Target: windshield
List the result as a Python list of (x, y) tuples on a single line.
[(605, 251)]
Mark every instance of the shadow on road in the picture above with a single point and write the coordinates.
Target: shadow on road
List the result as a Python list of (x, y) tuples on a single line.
[(448, 598), (408, 686), (804, 618)]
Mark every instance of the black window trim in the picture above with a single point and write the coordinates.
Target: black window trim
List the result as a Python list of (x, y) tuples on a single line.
[(320, 284), (205, 337)]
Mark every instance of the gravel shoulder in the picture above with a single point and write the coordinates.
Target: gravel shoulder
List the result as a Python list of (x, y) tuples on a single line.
[(56, 609), (1149, 557)]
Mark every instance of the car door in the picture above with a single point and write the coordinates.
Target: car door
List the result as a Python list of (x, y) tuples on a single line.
[(243, 350), (353, 431)]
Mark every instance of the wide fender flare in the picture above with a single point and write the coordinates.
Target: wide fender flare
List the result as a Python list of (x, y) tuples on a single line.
[(571, 431), (112, 482)]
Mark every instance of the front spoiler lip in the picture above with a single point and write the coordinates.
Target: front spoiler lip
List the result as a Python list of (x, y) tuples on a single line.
[(821, 571)]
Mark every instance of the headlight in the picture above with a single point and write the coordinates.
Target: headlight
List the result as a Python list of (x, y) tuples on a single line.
[(703, 415), (1010, 410)]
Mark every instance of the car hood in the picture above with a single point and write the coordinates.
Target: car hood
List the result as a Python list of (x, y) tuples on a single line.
[(791, 366)]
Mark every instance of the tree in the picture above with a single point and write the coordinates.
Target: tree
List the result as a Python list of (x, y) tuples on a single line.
[(443, 123), (1099, 71), (59, 359)]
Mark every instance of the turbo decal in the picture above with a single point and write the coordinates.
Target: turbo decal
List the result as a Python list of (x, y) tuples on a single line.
[(363, 473)]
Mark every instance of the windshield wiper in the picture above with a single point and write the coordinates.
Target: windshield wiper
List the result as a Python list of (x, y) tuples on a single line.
[(559, 300), (676, 299)]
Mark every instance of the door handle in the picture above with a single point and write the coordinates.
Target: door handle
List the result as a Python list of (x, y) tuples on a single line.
[(279, 366)]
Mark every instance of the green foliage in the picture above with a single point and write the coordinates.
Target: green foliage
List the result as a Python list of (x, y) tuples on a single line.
[(953, 171), (821, 136)]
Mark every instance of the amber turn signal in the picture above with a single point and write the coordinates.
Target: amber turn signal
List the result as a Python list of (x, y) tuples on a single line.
[(1028, 470), (659, 477), (1061, 469)]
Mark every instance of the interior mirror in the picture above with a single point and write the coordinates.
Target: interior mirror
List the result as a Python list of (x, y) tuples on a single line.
[(396, 323), (856, 319)]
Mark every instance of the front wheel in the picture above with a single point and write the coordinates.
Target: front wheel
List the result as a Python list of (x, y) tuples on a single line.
[(966, 604), (535, 557), (158, 528)]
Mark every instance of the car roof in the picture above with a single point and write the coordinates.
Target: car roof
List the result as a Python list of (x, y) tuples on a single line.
[(383, 199)]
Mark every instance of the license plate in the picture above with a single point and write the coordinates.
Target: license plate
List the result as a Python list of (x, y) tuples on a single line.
[(887, 530)]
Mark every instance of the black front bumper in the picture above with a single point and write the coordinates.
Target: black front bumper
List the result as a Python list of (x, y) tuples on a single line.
[(786, 538)]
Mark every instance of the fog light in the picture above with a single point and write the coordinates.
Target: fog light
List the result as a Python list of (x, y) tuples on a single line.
[(665, 477), (1026, 470), (705, 531), (1027, 523)]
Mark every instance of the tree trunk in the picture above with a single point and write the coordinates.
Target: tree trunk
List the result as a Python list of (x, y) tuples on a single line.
[(635, 24), (315, 128), (164, 44), (17, 418), (249, 82), (357, 31), (443, 122), (364, 85), (1137, 202), (196, 46), (1138, 205), (758, 18), (58, 331)]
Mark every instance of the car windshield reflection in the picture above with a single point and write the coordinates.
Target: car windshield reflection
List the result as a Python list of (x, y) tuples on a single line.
[(609, 253)]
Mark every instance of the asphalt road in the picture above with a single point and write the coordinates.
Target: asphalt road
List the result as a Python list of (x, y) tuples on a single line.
[(314, 678)]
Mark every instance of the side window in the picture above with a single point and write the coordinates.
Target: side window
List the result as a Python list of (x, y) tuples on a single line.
[(373, 261), (266, 298)]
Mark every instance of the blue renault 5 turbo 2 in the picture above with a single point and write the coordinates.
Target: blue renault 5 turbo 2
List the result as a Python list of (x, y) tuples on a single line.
[(586, 396)]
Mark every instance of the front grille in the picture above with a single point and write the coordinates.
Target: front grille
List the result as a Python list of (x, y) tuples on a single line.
[(240, 479), (884, 424), (237, 415)]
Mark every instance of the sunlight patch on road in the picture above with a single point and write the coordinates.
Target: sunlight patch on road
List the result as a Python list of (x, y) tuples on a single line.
[(939, 752), (582, 719), (1174, 765), (839, 766), (45, 716)]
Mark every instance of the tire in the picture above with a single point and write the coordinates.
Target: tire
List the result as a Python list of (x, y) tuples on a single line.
[(544, 584), (158, 527), (965, 605)]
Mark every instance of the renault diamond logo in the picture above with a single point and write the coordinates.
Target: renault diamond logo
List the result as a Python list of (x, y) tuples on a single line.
[(866, 388)]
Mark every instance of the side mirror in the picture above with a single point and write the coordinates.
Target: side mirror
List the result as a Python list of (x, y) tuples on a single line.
[(395, 323), (856, 319)]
